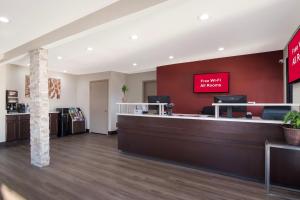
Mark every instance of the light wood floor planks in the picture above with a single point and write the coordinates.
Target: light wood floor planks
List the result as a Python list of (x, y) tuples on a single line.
[(90, 167)]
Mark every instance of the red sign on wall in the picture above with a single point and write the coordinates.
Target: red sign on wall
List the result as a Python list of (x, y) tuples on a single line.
[(209, 83), (294, 58)]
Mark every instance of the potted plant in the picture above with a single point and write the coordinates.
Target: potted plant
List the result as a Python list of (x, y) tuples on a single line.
[(124, 90), (292, 128)]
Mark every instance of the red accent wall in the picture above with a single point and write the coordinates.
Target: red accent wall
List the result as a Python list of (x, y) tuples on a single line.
[(259, 76)]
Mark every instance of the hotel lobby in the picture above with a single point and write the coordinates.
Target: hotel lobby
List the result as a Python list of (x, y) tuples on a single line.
[(150, 99)]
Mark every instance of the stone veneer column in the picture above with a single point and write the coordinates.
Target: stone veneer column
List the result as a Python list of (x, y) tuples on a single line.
[(39, 108)]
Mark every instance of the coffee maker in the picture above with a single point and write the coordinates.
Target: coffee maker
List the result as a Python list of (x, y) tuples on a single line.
[(12, 101), (21, 108)]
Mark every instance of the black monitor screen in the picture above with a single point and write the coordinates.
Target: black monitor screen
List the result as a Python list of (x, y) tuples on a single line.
[(232, 99), (157, 99)]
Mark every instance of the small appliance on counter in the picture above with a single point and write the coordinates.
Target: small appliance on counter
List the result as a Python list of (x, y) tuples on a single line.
[(11, 101), (140, 109), (169, 108), (249, 115), (21, 108)]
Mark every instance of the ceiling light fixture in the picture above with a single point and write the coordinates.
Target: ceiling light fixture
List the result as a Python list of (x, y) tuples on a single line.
[(221, 49), (28, 64), (90, 49), (134, 64), (59, 58), (65, 71), (204, 17), (4, 20), (171, 57), (134, 37)]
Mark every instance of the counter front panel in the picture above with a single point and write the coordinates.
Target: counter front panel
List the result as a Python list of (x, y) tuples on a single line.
[(233, 148)]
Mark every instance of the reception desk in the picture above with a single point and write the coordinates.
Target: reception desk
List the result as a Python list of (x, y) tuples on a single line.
[(229, 146)]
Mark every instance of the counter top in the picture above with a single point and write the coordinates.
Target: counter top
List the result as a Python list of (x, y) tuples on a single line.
[(27, 113), (256, 104), (206, 117), (18, 114)]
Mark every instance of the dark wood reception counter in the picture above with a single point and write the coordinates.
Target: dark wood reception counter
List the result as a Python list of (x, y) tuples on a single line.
[(231, 147)]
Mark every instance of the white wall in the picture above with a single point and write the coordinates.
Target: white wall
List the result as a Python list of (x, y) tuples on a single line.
[(16, 81), (68, 91), (75, 90), (135, 85), (117, 80), (2, 102), (83, 91), (12, 77), (296, 93)]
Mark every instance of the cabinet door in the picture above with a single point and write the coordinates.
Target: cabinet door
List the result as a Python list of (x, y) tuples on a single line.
[(11, 128), (24, 127), (53, 124)]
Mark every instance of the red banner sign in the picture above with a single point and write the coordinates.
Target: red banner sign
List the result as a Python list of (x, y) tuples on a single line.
[(210, 83), (294, 58)]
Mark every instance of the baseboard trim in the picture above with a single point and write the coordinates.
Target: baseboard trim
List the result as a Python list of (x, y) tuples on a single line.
[(2, 144), (112, 132), (14, 143)]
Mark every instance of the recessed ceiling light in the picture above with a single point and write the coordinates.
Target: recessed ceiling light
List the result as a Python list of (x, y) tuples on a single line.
[(171, 57), (4, 20), (65, 71), (134, 64), (134, 37), (28, 64), (204, 17), (90, 49), (59, 58), (221, 49)]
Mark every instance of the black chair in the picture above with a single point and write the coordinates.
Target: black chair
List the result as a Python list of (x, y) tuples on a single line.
[(208, 110)]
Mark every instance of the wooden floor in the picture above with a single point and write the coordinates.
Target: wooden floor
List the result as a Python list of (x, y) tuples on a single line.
[(90, 167)]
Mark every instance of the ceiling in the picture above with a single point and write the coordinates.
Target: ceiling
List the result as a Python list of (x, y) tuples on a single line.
[(30, 19), (172, 28)]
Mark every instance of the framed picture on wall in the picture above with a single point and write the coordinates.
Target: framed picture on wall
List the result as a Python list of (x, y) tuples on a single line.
[(54, 87), (27, 86)]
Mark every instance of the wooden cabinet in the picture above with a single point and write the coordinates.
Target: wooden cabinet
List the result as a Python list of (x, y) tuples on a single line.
[(18, 126), (12, 128), (24, 127), (53, 124)]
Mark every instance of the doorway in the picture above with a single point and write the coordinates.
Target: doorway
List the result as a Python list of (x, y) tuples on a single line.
[(99, 107), (149, 89)]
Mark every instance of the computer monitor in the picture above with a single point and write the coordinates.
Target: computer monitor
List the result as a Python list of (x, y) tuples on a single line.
[(275, 112), (231, 99), (157, 99)]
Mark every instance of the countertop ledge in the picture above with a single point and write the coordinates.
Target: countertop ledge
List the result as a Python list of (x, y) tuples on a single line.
[(8, 114), (199, 117)]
